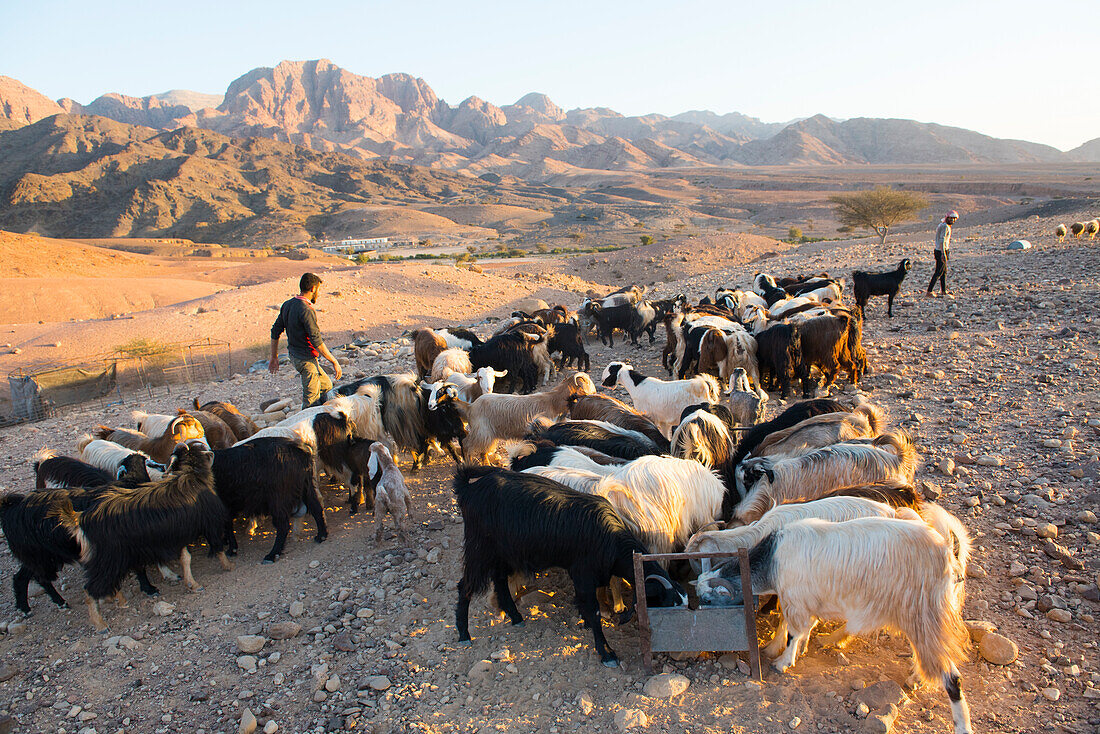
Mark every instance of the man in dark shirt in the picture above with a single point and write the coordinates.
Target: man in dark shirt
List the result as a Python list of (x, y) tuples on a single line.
[(298, 319)]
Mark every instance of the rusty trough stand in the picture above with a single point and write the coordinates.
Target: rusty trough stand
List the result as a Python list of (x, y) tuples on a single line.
[(679, 629)]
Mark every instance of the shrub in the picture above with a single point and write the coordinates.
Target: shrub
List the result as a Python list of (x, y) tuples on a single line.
[(794, 234), (878, 209), (646, 239)]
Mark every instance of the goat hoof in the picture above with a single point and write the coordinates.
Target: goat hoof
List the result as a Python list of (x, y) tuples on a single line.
[(465, 643), (232, 552), (154, 593), (611, 663), (105, 631), (520, 623), (321, 538), (28, 613), (626, 616), (267, 561)]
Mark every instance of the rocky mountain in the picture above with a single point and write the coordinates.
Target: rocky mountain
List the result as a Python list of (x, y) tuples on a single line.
[(399, 118), (85, 176), (1088, 151)]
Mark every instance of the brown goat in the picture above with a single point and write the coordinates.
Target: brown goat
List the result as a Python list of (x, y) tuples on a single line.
[(158, 448), (217, 432), (241, 425), (427, 345)]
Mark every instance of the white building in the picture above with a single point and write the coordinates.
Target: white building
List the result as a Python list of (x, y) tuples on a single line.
[(342, 247)]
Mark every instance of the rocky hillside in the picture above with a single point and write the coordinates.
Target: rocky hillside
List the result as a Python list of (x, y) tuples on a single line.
[(399, 117), (85, 176)]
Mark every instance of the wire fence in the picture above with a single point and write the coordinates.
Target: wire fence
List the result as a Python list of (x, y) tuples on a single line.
[(137, 371)]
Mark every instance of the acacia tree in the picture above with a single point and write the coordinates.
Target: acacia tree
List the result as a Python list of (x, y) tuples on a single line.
[(878, 209)]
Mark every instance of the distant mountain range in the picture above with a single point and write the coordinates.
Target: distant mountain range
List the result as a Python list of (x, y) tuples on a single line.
[(399, 118)]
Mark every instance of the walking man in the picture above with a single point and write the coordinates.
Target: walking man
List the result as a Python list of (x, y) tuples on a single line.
[(298, 319), (943, 247)]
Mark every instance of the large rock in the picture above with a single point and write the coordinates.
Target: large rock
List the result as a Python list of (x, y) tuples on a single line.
[(882, 721), (251, 644), (666, 685), (978, 629), (880, 695), (248, 722), (284, 630), (997, 649), (630, 718)]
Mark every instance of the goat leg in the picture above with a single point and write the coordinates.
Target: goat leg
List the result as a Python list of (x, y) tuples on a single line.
[(589, 607), (505, 601), (147, 587), (95, 616), (227, 565), (282, 527), (462, 615), (188, 579), (19, 583)]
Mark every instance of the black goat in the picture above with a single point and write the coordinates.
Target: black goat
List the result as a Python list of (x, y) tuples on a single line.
[(602, 436), (542, 453), (458, 337), (520, 523), (765, 286), (152, 523), (444, 423), (511, 351), (363, 480), (865, 285), (566, 339), (52, 471), (268, 477), (779, 355)]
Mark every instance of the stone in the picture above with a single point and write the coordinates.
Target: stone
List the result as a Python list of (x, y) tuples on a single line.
[(630, 718), (998, 649), (250, 644), (163, 608), (1052, 443), (666, 685), (882, 694), (1019, 245), (795, 723), (881, 722), (989, 460), (271, 727), (379, 682), (1017, 569), (297, 608), (1047, 530), (1059, 615), (1046, 602), (17, 628), (343, 642), (946, 466), (1087, 517), (7, 671), (979, 628), (248, 722), (586, 703), (332, 684), (432, 556), (320, 696), (1051, 694), (284, 630), (247, 663), (481, 670)]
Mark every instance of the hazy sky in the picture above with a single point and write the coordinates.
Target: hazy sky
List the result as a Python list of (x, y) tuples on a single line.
[(1003, 67)]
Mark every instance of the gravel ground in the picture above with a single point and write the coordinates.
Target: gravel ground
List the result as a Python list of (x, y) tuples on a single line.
[(999, 385)]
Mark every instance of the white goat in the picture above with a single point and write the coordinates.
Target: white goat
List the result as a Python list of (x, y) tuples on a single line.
[(782, 308), (765, 482), (108, 456), (869, 573), (661, 401), (365, 411), (470, 387), (663, 500), (454, 359)]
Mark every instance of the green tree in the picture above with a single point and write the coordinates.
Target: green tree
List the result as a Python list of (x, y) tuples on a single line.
[(794, 234), (878, 209), (646, 239)]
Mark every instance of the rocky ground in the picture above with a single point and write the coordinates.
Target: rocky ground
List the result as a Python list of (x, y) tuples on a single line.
[(998, 383)]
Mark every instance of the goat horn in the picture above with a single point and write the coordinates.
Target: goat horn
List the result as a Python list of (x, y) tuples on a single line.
[(725, 584), (660, 579)]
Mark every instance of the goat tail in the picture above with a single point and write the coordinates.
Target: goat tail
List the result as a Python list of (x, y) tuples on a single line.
[(940, 638), (42, 455), (521, 449), (69, 519), (711, 386), (903, 447), (876, 416), (102, 433), (195, 402), (539, 425)]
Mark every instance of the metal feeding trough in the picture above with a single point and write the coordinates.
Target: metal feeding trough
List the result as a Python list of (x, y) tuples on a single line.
[(712, 629)]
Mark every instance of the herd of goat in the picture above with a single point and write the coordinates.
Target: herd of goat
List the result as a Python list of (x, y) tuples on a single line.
[(822, 495)]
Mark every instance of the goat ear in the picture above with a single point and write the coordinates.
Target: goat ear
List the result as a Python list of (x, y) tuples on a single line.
[(769, 474)]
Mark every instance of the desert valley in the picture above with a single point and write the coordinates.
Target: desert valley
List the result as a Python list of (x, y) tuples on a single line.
[(132, 225)]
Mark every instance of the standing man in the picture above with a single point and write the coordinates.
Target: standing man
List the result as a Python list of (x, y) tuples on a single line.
[(298, 319), (943, 247)]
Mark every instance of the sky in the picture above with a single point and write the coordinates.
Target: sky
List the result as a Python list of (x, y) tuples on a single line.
[(1002, 67)]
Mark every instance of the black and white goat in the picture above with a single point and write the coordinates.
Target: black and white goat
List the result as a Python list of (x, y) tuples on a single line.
[(52, 471), (865, 285), (661, 401), (601, 436), (514, 353), (518, 523)]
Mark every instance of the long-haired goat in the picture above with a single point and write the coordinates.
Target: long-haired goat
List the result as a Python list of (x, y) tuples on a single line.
[(459, 337), (52, 471), (496, 417), (765, 482), (158, 446), (151, 523), (268, 477), (1060, 232), (427, 345), (601, 436), (869, 573), (241, 425), (454, 359), (661, 401), (606, 408), (527, 454), (865, 421), (115, 458), (518, 523), (512, 352), (779, 356), (703, 437)]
